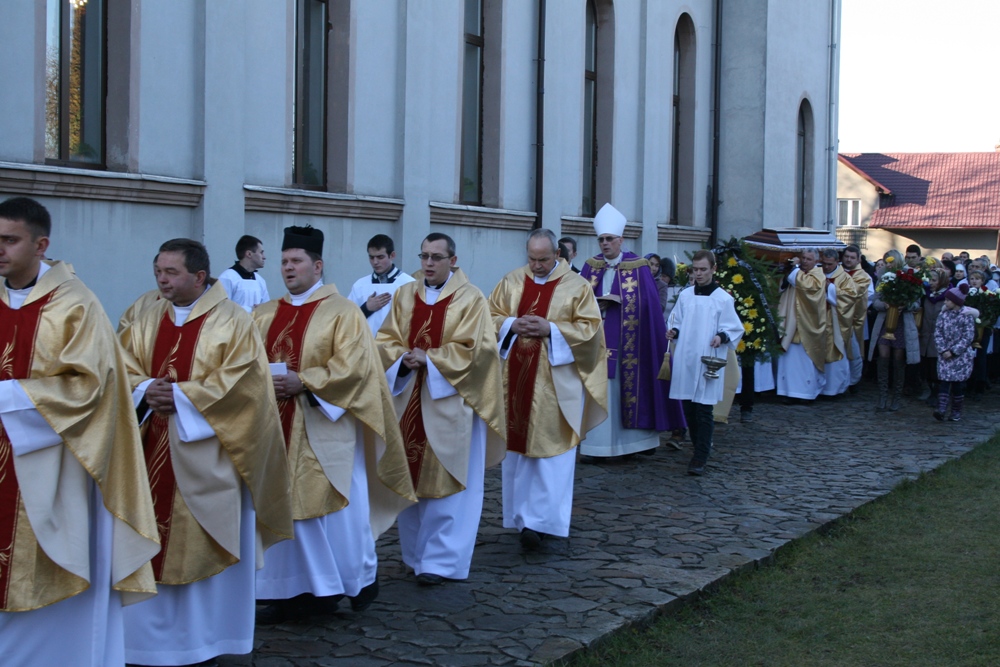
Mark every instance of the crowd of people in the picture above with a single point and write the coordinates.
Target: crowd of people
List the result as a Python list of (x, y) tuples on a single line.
[(228, 458)]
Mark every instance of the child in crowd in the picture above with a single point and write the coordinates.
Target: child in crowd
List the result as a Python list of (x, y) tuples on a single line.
[(953, 334)]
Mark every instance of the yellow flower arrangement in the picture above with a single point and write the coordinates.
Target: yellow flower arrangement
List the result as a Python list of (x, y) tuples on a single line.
[(748, 326), (741, 347), (752, 313), (748, 302), (890, 259), (738, 278), (732, 262)]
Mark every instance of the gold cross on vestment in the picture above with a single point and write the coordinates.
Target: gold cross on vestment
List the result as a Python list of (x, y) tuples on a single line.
[(630, 361), (631, 322), (629, 284)]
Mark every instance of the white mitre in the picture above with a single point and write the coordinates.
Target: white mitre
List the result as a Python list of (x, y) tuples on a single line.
[(609, 220)]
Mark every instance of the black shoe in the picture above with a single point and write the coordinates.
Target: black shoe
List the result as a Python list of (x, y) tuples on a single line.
[(648, 452), (746, 416), (428, 579), (277, 612), (530, 540), (696, 468), (853, 389), (939, 416), (365, 597)]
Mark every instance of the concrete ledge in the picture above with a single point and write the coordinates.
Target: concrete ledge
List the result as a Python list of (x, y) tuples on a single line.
[(480, 216), (679, 233), (48, 181), (264, 199), (585, 227)]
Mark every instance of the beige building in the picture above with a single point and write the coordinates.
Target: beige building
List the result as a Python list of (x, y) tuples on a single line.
[(939, 201)]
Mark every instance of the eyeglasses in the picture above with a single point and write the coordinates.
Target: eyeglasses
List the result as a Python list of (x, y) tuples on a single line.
[(433, 259), (607, 239)]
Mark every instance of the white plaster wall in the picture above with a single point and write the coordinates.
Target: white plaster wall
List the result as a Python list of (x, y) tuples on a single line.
[(520, 36), (564, 62), (345, 252), (626, 186), (267, 110), (377, 114), (112, 245), (170, 83), (797, 69), (22, 71)]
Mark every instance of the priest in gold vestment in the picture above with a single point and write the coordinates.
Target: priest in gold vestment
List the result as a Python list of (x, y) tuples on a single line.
[(803, 309), (555, 385), (77, 529), (217, 468), (438, 346), (336, 417), (842, 299), (851, 261)]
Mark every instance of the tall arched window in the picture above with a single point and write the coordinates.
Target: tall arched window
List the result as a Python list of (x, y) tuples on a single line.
[(471, 188), (598, 104), (682, 148), (804, 141), (75, 81), (309, 148)]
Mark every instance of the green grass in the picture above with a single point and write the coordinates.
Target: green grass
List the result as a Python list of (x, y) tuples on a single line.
[(911, 579)]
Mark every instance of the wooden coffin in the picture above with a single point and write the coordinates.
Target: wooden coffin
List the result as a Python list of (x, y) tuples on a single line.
[(780, 244)]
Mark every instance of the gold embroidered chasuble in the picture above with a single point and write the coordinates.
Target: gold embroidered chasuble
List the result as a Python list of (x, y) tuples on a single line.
[(70, 365), (230, 386), (841, 327), (467, 358), (334, 354), (139, 305), (579, 390), (860, 315), (803, 308)]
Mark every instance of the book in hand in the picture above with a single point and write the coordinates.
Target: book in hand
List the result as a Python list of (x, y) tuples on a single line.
[(609, 298), (279, 368)]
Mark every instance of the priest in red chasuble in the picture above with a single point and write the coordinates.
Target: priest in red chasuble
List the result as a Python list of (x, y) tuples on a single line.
[(439, 347), (77, 529), (345, 453), (217, 467), (555, 385)]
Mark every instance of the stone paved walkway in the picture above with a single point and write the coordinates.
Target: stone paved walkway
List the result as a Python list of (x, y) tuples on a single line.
[(645, 536)]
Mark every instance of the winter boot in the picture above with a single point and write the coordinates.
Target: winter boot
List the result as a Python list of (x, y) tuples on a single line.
[(942, 406), (898, 378), (883, 384), (956, 408)]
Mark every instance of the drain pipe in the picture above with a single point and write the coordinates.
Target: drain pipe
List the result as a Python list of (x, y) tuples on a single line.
[(713, 221), (540, 117), (832, 121)]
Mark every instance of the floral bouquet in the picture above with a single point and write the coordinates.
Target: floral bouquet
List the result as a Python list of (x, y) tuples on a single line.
[(900, 287), (987, 302), (682, 275)]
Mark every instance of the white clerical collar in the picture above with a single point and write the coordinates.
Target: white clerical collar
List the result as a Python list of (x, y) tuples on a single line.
[(616, 261), (431, 294), (181, 313), (299, 299), (545, 278), (19, 296)]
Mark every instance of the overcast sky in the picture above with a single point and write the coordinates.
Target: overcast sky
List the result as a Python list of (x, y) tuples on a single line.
[(919, 76)]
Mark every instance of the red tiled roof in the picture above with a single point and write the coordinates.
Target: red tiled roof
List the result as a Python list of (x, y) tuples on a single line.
[(931, 190)]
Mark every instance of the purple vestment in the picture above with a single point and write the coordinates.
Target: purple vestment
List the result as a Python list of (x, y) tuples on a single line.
[(637, 340)]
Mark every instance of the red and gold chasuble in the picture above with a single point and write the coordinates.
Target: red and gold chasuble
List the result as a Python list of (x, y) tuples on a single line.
[(426, 331), (522, 364), (284, 345), (173, 357), (17, 346)]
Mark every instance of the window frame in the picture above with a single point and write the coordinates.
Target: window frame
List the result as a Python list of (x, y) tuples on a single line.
[(300, 124), (64, 158), (479, 42)]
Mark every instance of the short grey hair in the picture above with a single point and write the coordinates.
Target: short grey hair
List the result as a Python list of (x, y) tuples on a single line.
[(544, 233), (812, 251), (831, 252)]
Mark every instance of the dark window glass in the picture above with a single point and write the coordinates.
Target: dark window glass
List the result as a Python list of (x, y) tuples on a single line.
[(472, 105), (309, 140), (75, 81)]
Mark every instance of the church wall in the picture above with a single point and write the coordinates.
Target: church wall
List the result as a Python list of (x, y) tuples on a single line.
[(212, 150)]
